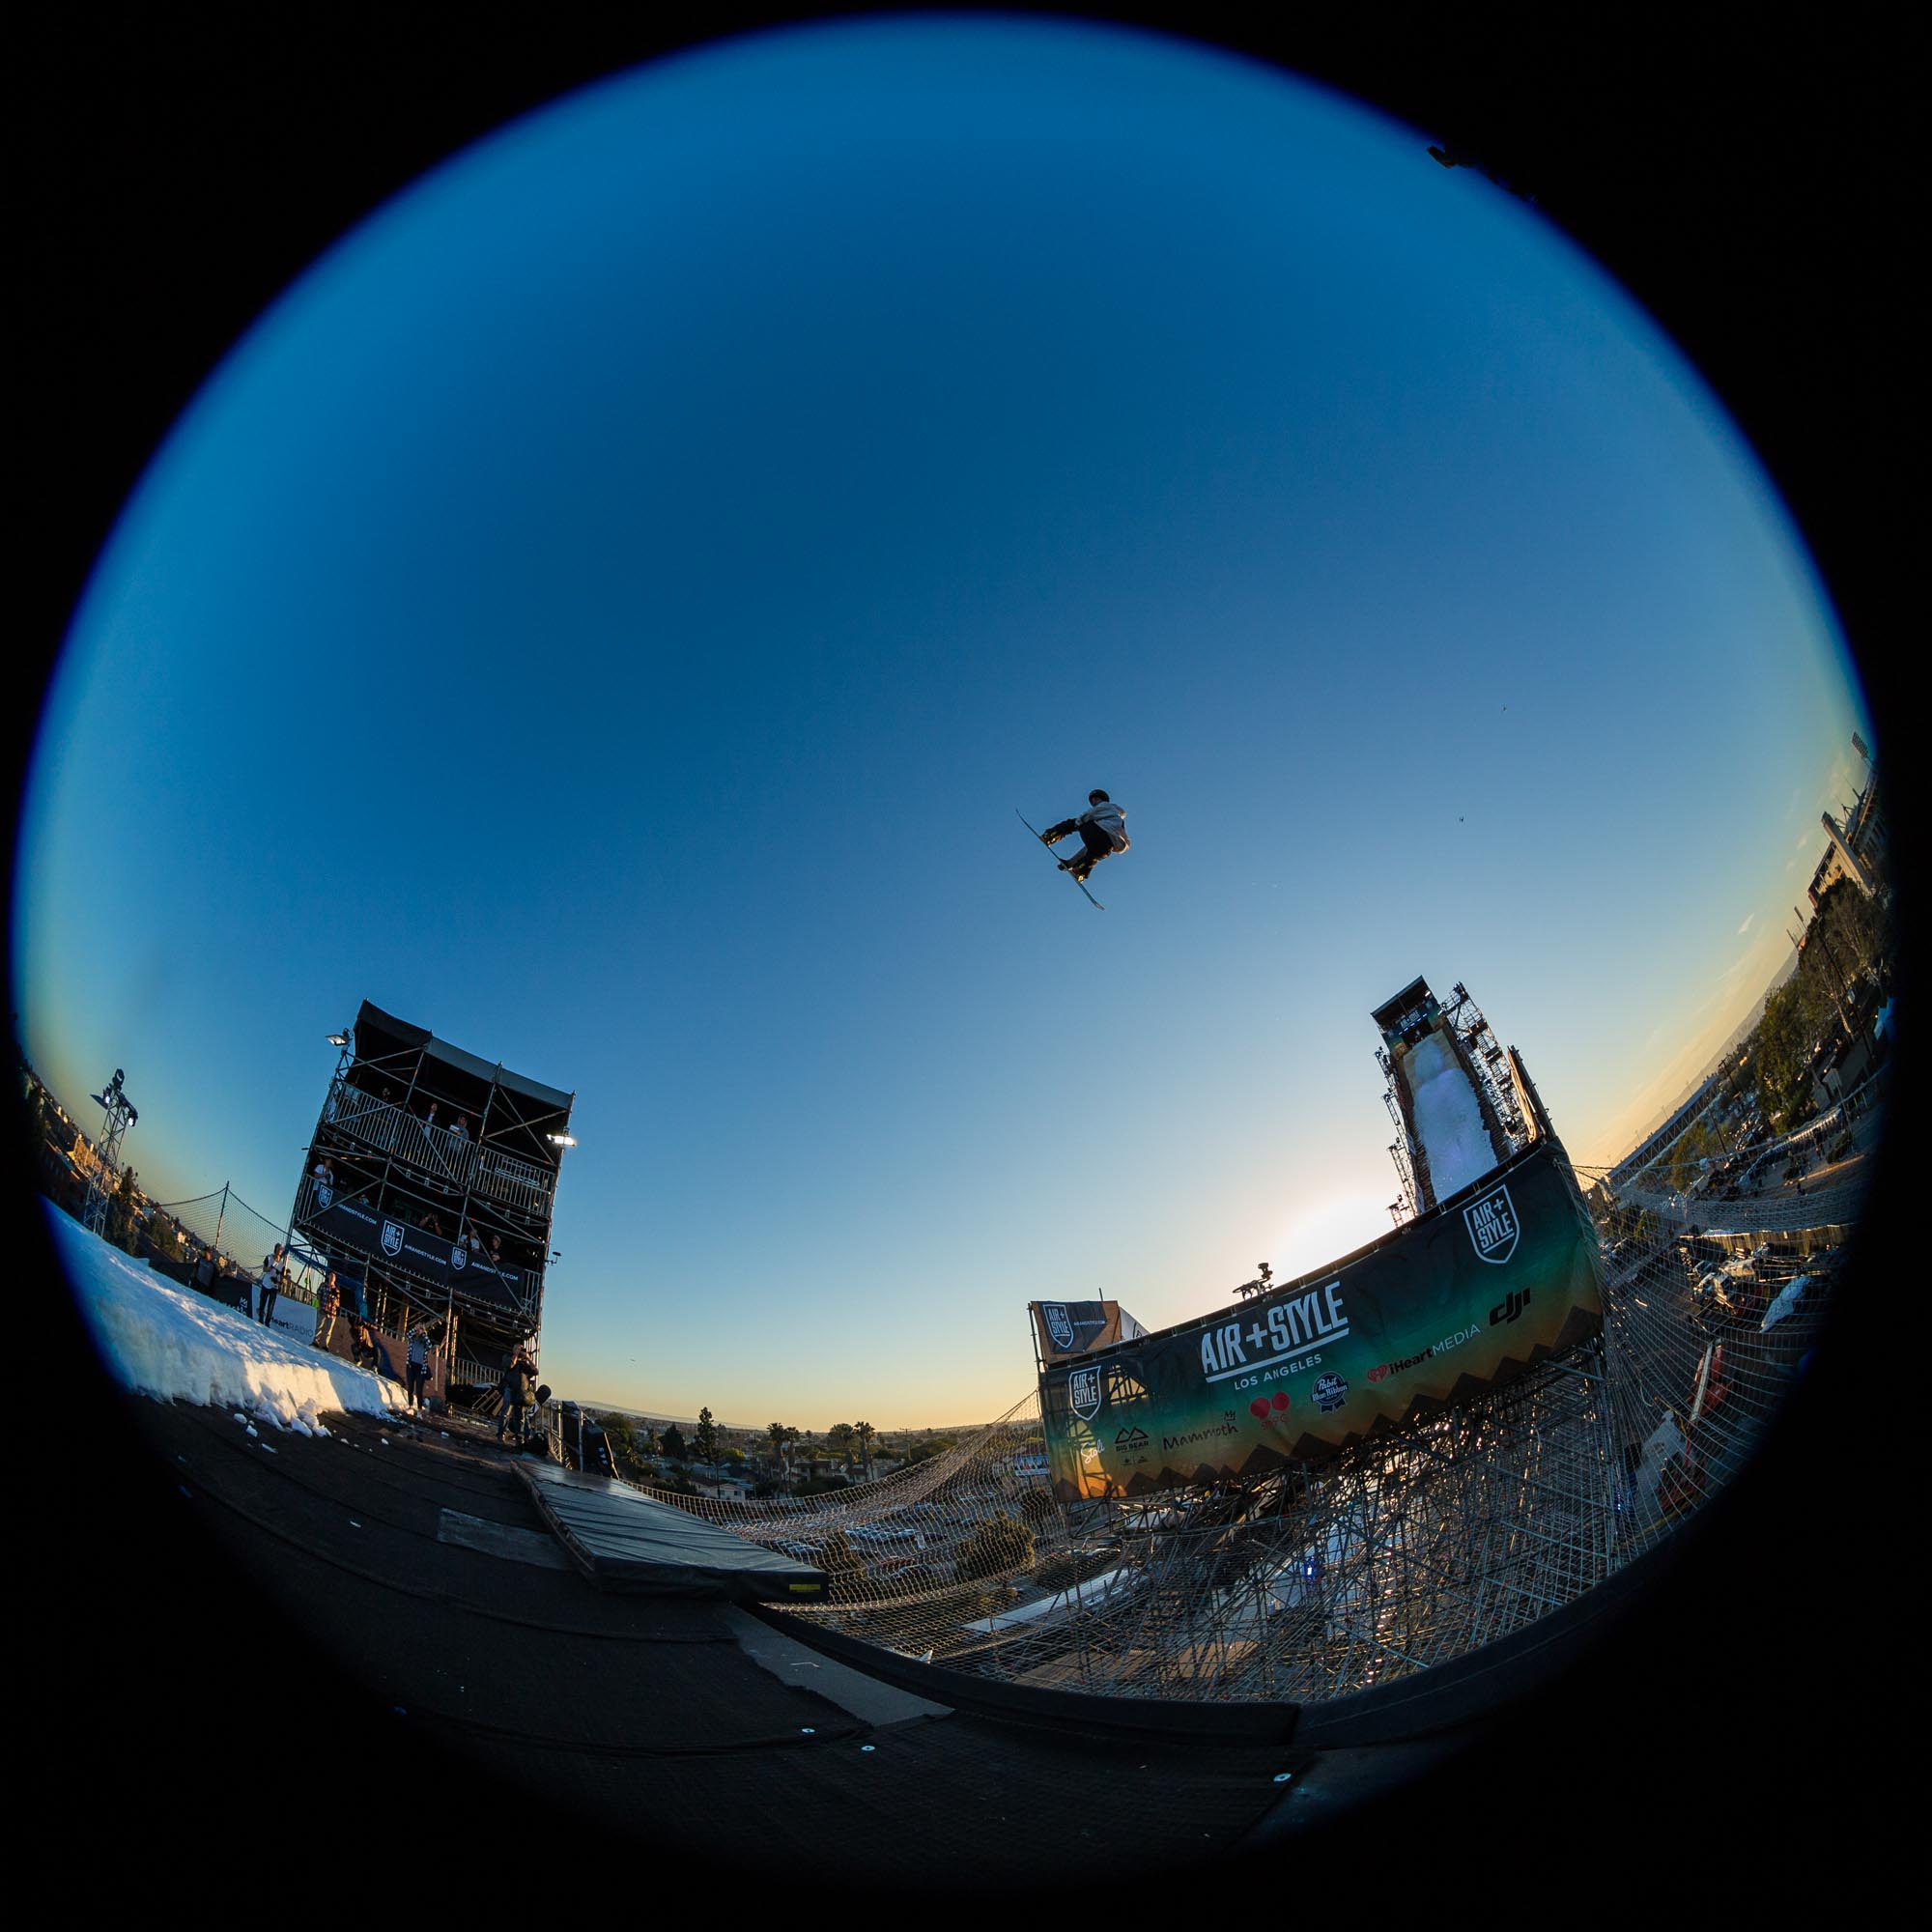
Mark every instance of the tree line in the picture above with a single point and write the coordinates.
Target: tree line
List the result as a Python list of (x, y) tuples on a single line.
[(1844, 947)]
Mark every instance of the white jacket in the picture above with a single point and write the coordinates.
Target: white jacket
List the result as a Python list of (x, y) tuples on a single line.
[(1111, 818)]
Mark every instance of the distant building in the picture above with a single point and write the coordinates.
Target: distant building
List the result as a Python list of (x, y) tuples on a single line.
[(1859, 850)]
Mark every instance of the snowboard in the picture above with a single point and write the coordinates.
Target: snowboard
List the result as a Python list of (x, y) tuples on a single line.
[(1091, 900)]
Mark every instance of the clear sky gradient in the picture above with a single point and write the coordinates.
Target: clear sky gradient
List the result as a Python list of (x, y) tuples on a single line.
[(610, 609)]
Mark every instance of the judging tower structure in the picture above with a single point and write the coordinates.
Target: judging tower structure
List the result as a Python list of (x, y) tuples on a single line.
[(429, 1187)]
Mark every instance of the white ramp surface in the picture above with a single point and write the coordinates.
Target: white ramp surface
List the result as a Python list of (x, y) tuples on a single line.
[(1448, 1122)]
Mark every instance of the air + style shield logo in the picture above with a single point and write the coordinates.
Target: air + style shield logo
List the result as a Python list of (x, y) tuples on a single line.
[(392, 1237), (1059, 1323), (1083, 1393), (1491, 1222)]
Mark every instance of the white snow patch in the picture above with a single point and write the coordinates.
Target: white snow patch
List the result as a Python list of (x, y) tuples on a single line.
[(1448, 1122), (165, 1341)]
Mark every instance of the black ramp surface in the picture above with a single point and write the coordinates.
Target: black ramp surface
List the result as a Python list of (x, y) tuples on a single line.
[(623, 1539), (444, 1682)]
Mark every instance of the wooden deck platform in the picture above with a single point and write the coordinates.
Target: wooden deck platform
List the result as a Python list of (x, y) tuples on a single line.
[(623, 1539)]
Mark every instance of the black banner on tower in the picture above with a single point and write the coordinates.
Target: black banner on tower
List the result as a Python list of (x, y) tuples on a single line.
[(414, 1251)]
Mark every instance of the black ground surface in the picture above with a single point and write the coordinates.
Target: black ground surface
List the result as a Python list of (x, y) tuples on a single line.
[(640, 1716), (266, 1657)]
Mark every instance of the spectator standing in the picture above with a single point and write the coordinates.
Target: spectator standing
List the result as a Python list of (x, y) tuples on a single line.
[(329, 1307), (270, 1288), (415, 1365), (519, 1386)]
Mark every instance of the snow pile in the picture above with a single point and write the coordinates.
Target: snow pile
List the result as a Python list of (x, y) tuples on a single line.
[(170, 1342), (1448, 1122)]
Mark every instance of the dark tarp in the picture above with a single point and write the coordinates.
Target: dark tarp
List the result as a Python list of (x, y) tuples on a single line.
[(379, 1035)]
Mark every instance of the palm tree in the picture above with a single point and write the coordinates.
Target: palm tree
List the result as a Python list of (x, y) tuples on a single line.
[(865, 1432), (775, 1434)]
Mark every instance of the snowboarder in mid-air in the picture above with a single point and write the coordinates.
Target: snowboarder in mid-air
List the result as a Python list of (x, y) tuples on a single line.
[(1103, 831)]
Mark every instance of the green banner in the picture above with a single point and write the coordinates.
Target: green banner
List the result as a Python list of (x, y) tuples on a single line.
[(1499, 1278)]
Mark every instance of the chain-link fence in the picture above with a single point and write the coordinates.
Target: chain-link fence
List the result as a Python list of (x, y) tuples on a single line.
[(241, 1237)]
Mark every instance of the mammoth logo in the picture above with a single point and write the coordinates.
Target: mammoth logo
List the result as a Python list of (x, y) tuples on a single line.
[(458, 1256), (1083, 1393), (392, 1237), (1059, 1323), (1493, 1225)]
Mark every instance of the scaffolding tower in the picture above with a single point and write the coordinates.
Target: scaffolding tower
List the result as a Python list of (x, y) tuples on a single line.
[(429, 1184), (121, 1115), (1495, 1075)]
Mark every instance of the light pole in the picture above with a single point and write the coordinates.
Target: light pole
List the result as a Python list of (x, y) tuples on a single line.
[(121, 1116)]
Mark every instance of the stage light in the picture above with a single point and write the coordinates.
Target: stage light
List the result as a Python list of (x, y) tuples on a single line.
[(338, 1039), (561, 1140)]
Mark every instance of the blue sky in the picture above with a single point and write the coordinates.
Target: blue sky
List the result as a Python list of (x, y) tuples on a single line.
[(610, 609)]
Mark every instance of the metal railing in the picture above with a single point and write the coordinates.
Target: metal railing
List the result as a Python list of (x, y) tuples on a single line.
[(438, 1153), (518, 1183)]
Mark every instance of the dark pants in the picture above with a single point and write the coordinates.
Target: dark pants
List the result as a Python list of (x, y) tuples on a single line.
[(1096, 845), (417, 1377), (265, 1314)]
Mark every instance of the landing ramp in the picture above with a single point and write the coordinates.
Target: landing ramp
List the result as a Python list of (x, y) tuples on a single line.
[(625, 1541)]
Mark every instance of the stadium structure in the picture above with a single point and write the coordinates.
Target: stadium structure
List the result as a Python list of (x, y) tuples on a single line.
[(428, 1187), (1360, 1479)]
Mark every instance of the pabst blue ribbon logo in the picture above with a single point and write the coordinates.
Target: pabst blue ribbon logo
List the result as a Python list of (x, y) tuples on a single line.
[(1493, 1225), (392, 1237), (1059, 1323), (1330, 1393), (459, 1256), (1083, 1393)]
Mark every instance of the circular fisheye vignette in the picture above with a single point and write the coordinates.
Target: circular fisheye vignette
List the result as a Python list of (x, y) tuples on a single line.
[(1707, 1380)]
